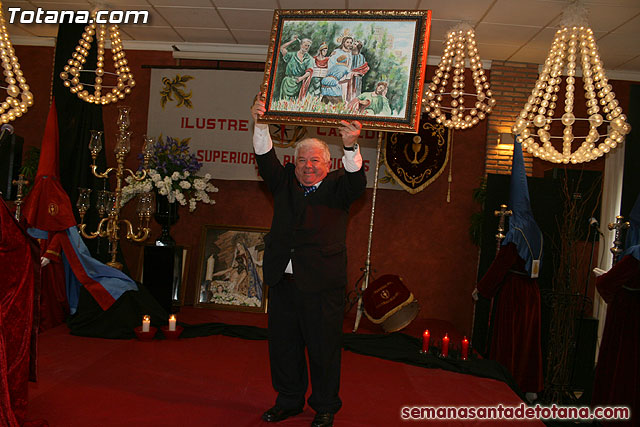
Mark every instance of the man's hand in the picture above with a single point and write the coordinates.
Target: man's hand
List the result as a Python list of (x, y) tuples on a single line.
[(474, 294), (350, 132), (44, 261), (258, 108)]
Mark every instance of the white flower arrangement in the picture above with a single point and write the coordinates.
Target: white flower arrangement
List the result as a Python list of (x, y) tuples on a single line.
[(222, 295), (172, 174)]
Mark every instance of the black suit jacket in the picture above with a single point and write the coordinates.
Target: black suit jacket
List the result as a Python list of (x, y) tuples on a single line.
[(311, 230)]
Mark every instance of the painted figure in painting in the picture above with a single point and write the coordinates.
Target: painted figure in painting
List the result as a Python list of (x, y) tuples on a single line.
[(299, 68), (320, 68), (359, 67), (246, 263), (337, 77), (345, 48), (242, 279), (373, 103), (342, 56)]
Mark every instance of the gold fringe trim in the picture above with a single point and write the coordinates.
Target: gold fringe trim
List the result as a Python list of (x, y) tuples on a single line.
[(392, 312)]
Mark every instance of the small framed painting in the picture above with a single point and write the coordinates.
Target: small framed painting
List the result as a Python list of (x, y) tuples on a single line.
[(230, 274)]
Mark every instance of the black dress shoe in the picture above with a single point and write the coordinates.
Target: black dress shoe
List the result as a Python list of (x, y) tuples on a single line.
[(324, 419), (276, 414)]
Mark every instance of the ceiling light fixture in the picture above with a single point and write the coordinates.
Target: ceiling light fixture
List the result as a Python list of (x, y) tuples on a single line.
[(573, 42), (460, 45), (124, 77), (19, 98)]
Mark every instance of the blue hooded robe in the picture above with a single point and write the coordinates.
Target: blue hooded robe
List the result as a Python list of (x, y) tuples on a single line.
[(511, 279)]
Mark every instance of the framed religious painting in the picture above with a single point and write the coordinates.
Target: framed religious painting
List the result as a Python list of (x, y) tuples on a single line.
[(324, 66), (230, 274)]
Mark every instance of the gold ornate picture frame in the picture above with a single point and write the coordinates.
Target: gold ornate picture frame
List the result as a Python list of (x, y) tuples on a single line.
[(230, 273), (324, 66)]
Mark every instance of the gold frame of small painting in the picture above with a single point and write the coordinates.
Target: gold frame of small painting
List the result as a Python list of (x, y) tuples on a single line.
[(324, 66)]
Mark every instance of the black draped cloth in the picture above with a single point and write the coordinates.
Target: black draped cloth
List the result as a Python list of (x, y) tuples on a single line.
[(76, 119)]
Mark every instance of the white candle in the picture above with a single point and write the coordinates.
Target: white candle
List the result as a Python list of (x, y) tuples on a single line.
[(172, 323), (146, 323), (211, 262)]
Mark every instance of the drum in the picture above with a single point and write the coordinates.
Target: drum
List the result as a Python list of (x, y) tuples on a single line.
[(387, 302)]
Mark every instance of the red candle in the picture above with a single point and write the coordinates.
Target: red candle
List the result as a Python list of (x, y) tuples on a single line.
[(425, 341), (465, 348), (445, 345)]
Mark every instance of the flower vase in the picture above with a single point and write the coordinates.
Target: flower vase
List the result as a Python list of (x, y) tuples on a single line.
[(166, 215)]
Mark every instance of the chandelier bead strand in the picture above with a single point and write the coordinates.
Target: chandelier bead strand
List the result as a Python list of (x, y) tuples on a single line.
[(573, 47), (464, 109), (102, 93)]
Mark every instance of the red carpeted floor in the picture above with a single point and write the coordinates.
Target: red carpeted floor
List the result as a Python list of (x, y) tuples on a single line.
[(223, 381)]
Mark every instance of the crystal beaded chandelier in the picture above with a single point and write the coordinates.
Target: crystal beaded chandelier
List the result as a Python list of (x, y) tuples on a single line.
[(573, 46), (124, 78), (459, 114), (19, 98)]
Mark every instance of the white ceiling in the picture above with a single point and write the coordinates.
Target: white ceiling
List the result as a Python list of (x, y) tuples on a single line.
[(514, 30)]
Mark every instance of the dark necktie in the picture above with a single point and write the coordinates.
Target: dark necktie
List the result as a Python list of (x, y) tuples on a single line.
[(308, 189)]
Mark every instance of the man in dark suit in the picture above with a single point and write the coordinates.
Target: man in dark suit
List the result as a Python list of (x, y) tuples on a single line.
[(305, 267)]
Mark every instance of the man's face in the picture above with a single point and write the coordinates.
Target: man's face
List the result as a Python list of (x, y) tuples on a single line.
[(304, 47), (380, 89), (348, 44), (311, 167)]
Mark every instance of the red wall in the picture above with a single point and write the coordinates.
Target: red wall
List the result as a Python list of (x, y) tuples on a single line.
[(37, 65), (420, 237)]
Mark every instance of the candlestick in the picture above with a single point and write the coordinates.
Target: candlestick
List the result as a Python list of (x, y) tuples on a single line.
[(146, 323), (172, 323), (111, 225), (445, 345), (425, 341), (465, 348)]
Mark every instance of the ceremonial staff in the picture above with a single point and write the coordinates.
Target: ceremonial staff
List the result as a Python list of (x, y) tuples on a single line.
[(367, 263), (502, 213), (616, 249), (20, 182)]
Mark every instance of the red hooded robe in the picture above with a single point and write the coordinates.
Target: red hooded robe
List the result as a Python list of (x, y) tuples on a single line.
[(47, 207)]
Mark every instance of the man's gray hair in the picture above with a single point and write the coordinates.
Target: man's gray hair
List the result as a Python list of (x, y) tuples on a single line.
[(314, 142)]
